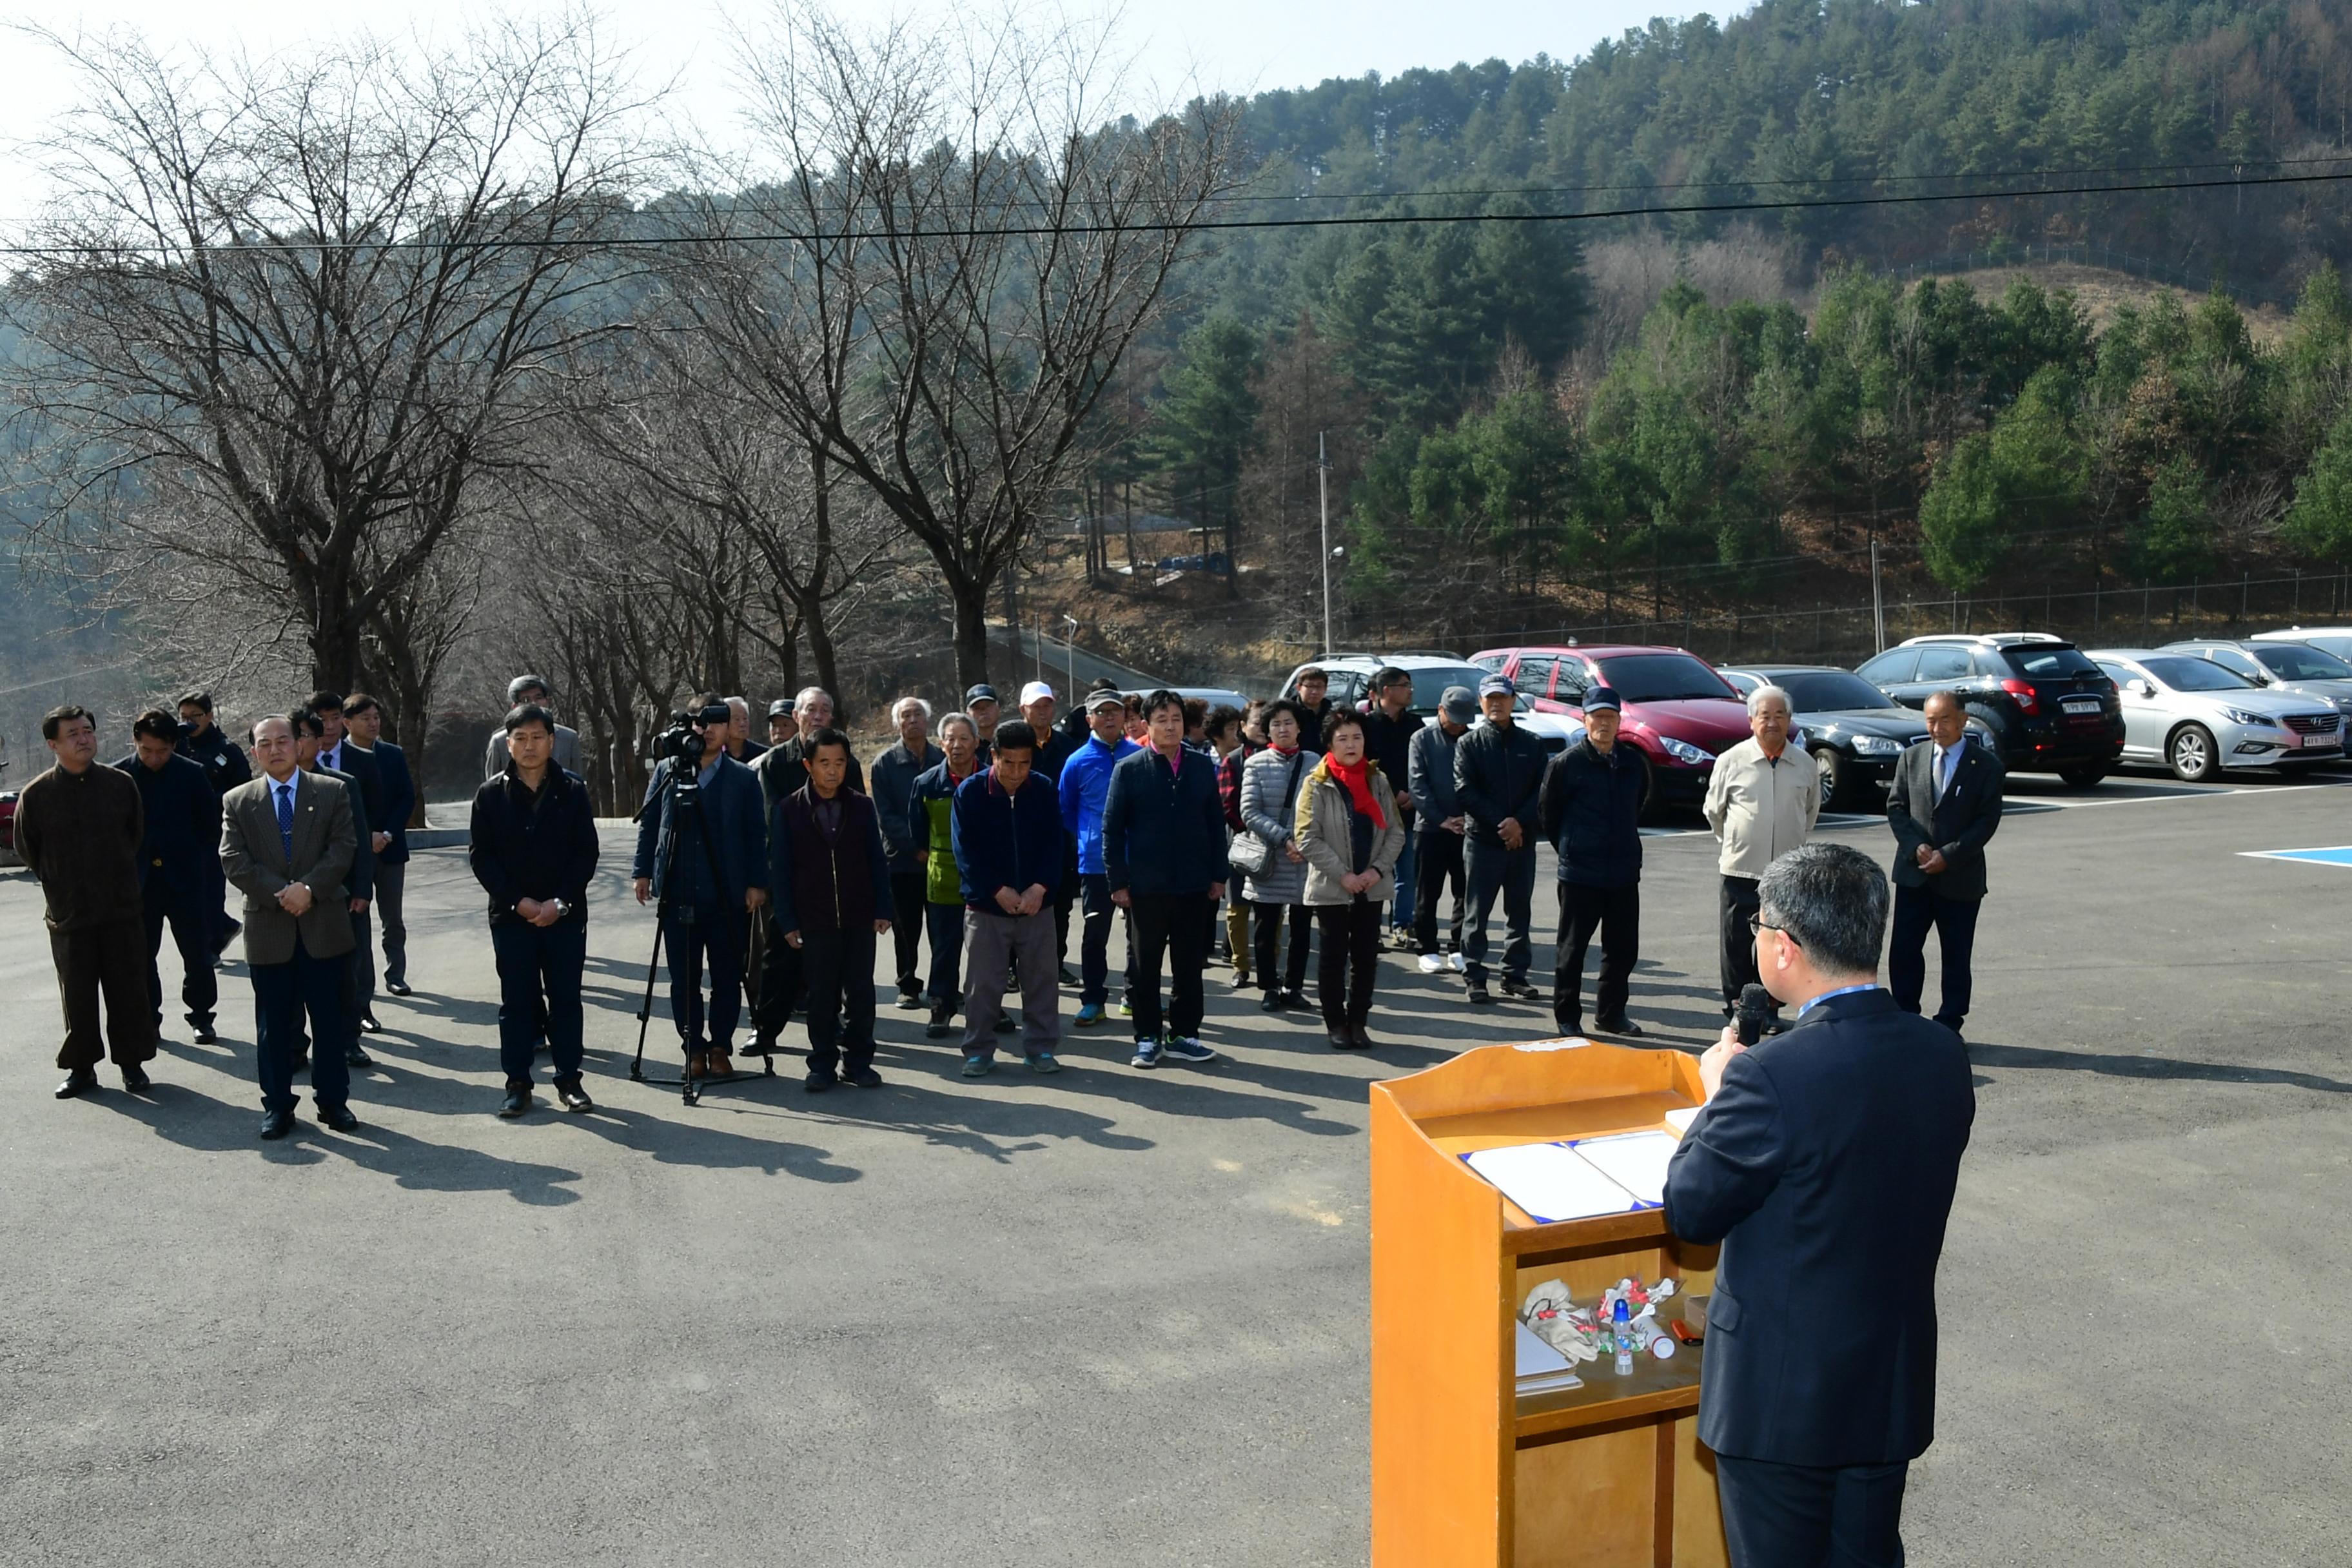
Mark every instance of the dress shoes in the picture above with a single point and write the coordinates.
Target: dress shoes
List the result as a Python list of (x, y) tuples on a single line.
[(1341, 1040), (277, 1124), (721, 1065), (863, 1078), (397, 987), (1270, 1002), (820, 1079), (1362, 1039), (135, 1079), (81, 1080), (574, 1098), (1624, 1027), (359, 1059), (517, 1102), (368, 1022), (1480, 996), (204, 1036), (1521, 991), (339, 1119)]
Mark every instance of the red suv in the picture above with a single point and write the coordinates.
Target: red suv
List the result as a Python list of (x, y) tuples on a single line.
[(1678, 713)]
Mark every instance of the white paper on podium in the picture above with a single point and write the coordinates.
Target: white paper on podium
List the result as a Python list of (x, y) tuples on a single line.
[(1680, 1120), (1634, 1160), (1551, 1182)]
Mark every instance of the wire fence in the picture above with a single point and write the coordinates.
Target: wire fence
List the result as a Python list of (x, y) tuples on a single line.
[(2085, 254), (2107, 615)]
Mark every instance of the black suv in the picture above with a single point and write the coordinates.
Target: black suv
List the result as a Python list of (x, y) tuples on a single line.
[(2044, 707)]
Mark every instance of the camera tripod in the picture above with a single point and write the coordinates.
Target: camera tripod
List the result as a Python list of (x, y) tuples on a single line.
[(685, 797)]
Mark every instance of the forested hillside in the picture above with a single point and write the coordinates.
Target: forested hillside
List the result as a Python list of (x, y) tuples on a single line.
[(1652, 414)]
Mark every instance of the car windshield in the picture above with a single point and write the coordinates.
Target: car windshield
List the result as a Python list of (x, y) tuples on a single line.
[(2340, 647), (2185, 674), (1430, 681), (1663, 677), (2048, 663), (2291, 661), (1829, 691)]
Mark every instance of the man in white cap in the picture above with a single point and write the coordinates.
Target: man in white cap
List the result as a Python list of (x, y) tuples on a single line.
[(530, 689)]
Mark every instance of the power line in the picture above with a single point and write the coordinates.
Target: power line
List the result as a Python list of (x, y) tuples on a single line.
[(1349, 220)]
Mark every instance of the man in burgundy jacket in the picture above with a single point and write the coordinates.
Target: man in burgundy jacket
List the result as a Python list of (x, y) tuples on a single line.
[(829, 878)]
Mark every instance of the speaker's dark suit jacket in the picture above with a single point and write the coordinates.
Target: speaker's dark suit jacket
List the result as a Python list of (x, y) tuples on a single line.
[(1825, 1166), (1957, 822)]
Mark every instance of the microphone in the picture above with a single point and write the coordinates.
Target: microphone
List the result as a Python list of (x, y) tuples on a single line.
[(1755, 1001)]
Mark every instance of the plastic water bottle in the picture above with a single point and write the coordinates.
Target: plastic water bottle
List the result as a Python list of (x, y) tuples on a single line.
[(1622, 1330)]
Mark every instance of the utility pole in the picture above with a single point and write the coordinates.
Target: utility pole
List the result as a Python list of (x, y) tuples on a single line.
[(1070, 651), (1323, 501), (1877, 598)]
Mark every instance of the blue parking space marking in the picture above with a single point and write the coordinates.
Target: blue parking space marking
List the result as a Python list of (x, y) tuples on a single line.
[(2340, 855)]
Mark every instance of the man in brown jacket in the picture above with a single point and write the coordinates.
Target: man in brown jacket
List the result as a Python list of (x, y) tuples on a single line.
[(288, 839), (78, 827)]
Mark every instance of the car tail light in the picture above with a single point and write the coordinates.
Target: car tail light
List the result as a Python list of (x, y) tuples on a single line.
[(2027, 702)]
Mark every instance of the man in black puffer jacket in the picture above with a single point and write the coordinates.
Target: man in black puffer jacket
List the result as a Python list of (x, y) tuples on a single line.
[(1591, 813), (1498, 770)]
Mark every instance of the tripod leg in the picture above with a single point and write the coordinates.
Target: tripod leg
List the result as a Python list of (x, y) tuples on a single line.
[(645, 1012)]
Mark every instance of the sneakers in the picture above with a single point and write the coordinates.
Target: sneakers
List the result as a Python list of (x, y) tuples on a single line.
[(942, 1026), (979, 1067), (1043, 1061), (1184, 1048), (819, 1080), (1067, 977), (908, 999), (1431, 963), (1126, 1008), (1090, 1015), (1480, 996), (862, 1078), (1453, 961), (1147, 1055), (1521, 991)]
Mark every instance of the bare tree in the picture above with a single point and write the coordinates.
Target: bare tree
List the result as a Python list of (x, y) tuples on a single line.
[(949, 256), (307, 302)]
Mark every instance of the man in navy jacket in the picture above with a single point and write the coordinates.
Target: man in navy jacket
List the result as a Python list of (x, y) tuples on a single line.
[(1163, 839), (710, 882), (1824, 1162), (1006, 829), (1498, 769), (363, 719), (1591, 812), (179, 863)]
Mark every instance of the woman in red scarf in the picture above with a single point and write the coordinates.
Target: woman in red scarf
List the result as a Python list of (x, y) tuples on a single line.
[(1349, 831)]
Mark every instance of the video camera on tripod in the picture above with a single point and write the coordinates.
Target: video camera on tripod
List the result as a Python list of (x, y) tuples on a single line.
[(678, 743)]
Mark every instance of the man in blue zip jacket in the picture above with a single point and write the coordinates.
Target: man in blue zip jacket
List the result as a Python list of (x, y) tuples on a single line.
[(709, 907), (1591, 812), (831, 875), (1007, 833), (1084, 784), (1163, 845)]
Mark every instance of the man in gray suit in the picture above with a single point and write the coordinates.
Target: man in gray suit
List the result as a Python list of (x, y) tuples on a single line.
[(288, 840)]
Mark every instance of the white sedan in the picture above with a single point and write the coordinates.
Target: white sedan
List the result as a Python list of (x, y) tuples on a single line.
[(2197, 718)]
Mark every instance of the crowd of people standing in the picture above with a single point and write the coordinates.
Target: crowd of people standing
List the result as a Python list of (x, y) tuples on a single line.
[(1259, 837)]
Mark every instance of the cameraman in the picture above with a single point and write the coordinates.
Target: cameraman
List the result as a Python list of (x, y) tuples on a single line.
[(712, 880)]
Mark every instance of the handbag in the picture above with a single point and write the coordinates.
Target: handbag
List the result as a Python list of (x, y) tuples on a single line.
[(1251, 853)]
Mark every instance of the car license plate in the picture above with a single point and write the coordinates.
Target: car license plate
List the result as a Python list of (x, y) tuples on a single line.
[(2081, 705), (2311, 740)]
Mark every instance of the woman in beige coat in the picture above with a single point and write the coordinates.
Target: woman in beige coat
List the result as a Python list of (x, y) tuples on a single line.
[(1350, 834)]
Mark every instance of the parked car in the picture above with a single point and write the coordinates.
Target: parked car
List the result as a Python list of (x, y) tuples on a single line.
[(1351, 678), (2336, 640), (1855, 732), (1677, 711), (2036, 701), (2297, 669), (1214, 696), (2197, 718)]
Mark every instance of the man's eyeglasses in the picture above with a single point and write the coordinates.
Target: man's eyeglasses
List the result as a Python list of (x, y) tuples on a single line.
[(1756, 927)]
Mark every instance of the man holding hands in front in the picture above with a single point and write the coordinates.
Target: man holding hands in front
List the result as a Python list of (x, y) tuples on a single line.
[(1824, 1163), (1762, 801), (288, 839), (1945, 804)]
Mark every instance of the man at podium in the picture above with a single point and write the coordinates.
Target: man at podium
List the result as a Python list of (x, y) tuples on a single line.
[(1824, 1162)]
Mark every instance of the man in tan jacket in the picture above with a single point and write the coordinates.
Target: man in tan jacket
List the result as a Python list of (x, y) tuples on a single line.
[(1761, 801)]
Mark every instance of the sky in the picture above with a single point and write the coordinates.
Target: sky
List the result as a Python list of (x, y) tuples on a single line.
[(1237, 45)]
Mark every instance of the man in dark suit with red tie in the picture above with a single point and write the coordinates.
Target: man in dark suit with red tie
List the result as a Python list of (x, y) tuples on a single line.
[(1824, 1162), (1944, 804)]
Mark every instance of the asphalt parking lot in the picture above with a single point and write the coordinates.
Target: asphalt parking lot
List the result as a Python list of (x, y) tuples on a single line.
[(1115, 1316)]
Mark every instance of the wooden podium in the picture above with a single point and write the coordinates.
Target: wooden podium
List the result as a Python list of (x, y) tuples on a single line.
[(1465, 1472)]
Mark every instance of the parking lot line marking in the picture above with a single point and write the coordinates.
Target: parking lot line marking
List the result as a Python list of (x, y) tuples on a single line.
[(2338, 855)]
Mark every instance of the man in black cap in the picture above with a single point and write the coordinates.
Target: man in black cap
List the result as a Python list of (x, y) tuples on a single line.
[(981, 703), (1592, 811), (1497, 772), (1437, 816), (780, 722)]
